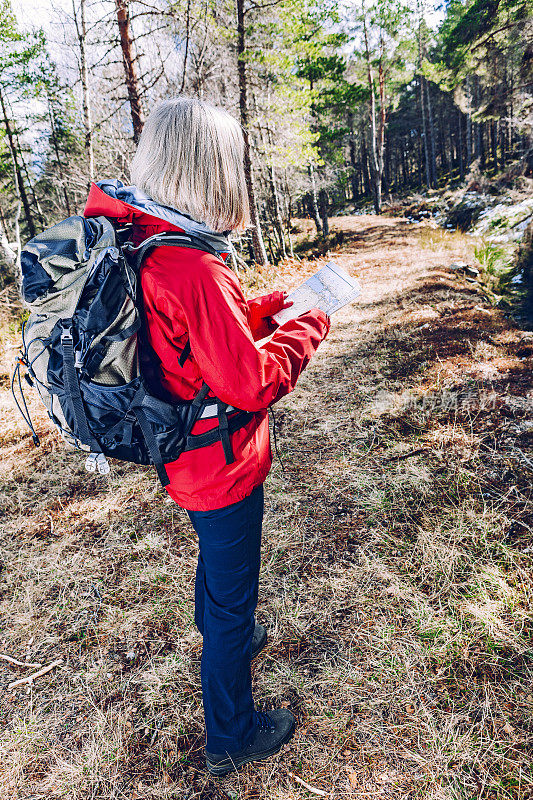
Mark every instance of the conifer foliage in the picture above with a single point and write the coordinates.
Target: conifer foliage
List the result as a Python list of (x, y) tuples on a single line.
[(342, 106)]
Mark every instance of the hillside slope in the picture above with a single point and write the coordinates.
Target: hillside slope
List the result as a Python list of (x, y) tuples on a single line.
[(397, 568)]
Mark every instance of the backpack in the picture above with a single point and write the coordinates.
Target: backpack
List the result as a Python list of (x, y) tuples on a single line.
[(85, 351)]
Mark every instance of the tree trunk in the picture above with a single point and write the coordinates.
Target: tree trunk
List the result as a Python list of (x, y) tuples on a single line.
[(314, 200), (424, 129), (81, 33), (10, 256), (404, 165), (274, 194), (323, 206), (289, 215), (354, 180), (453, 159), (494, 144), (459, 136), (365, 168), (60, 171), (278, 217), (353, 162), (187, 37), (260, 255), (387, 177), (468, 129), (445, 163), (375, 161), (130, 68), (503, 153), (20, 189), (431, 136)]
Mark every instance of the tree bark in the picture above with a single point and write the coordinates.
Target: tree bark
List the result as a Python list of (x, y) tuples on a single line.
[(354, 177), (260, 255), (424, 129), (376, 163), (273, 189), (81, 33), (444, 162), (364, 159), (278, 217), (494, 144), (289, 215), (323, 207), (405, 164), (130, 68), (58, 156), (460, 146), (468, 127), (20, 189), (353, 174), (314, 200), (431, 134), (11, 256), (187, 37)]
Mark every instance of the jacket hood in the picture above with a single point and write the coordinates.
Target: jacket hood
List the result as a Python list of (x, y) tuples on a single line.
[(128, 204)]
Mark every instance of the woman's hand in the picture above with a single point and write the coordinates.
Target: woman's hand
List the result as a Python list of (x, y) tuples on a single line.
[(272, 303), (261, 311)]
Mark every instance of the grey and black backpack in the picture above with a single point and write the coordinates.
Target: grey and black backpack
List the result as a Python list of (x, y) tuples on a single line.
[(84, 350)]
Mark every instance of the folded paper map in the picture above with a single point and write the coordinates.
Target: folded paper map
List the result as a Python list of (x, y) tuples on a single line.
[(329, 289)]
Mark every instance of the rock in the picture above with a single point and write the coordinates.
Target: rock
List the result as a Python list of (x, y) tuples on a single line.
[(505, 222), (460, 266), (467, 211)]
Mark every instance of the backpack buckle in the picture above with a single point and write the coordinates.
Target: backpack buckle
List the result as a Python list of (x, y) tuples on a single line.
[(66, 329)]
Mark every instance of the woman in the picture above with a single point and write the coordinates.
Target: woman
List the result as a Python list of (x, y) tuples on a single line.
[(189, 176)]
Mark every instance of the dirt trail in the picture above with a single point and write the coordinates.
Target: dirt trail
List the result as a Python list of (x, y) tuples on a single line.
[(396, 579)]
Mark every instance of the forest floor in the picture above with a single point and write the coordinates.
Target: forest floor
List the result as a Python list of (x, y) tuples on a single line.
[(397, 573)]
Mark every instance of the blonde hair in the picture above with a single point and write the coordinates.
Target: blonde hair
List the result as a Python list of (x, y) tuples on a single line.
[(190, 157)]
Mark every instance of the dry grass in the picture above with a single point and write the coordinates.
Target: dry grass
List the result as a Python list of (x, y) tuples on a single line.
[(396, 581)]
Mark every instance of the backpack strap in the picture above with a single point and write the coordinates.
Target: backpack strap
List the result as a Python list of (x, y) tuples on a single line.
[(151, 444), (223, 431), (202, 394), (72, 388), (166, 239), (142, 398), (225, 426), (185, 353), (148, 434), (236, 421)]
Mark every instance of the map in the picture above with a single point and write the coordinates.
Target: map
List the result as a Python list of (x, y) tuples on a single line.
[(329, 289)]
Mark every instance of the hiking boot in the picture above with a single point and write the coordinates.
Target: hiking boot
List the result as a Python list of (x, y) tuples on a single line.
[(273, 731), (259, 640)]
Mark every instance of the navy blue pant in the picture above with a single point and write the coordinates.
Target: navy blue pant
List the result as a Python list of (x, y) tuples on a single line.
[(227, 580)]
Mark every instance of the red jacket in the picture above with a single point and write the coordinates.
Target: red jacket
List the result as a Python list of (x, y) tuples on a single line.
[(189, 294)]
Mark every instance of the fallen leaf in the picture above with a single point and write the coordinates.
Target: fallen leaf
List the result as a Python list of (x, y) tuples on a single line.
[(508, 729)]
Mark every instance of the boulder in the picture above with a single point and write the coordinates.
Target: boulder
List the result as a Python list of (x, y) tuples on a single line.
[(463, 215)]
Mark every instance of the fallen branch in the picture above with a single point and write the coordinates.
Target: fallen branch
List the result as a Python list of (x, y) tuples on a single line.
[(31, 678), (17, 663), (401, 456), (307, 786)]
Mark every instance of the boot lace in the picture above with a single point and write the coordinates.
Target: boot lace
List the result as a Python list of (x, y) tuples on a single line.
[(263, 721)]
